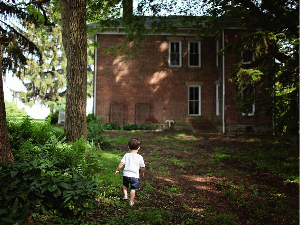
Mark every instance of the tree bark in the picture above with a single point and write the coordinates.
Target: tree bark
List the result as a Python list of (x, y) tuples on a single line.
[(6, 155), (75, 44)]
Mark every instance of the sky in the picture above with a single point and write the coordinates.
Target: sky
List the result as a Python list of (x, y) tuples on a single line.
[(37, 111)]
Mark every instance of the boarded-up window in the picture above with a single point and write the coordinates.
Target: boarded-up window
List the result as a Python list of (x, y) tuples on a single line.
[(142, 113)]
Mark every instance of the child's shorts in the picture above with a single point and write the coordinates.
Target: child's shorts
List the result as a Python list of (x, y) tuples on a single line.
[(134, 182)]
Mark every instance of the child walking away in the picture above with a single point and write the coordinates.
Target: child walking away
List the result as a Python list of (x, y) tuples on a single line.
[(133, 163)]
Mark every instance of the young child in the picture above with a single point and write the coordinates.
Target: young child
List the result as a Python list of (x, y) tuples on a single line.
[(133, 162)]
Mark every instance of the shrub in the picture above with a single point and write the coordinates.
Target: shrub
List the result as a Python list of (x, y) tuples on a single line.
[(48, 173), (53, 117), (20, 131), (139, 127), (39, 185), (95, 130)]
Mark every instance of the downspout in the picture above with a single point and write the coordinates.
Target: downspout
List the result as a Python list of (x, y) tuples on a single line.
[(223, 82), (95, 79)]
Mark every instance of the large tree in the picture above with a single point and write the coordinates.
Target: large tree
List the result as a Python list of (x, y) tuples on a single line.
[(272, 37), (13, 45), (73, 16), (46, 83)]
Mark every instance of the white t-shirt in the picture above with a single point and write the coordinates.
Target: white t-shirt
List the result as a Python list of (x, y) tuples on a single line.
[(132, 162)]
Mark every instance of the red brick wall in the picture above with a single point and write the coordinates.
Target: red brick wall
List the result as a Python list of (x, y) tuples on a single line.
[(150, 85), (151, 81), (232, 114)]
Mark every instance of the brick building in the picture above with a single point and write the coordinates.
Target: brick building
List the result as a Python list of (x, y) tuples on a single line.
[(179, 78)]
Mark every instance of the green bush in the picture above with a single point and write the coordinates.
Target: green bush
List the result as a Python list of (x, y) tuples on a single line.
[(139, 127), (53, 117), (20, 131), (48, 173), (96, 122), (39, 186), (95, 130)]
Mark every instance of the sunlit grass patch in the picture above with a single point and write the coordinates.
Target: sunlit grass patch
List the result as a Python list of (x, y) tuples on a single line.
[(162, 138), (217, 156), (185, 137), (173, 189), (221, 154), (178, 162), (120, 140), (163, 170), (109, 161)]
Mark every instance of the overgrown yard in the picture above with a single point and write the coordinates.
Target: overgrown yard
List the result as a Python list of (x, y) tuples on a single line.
[(190, 178), (203, 179)]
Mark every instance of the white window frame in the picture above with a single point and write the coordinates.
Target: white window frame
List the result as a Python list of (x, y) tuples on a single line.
[(199, 97), (249, 61), (252, 113), (180, 54), (218, 99), (253, 110), (199, 52)]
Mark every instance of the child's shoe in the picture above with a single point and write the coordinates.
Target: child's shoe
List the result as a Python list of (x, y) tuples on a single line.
[(131, 203), (126, 197)]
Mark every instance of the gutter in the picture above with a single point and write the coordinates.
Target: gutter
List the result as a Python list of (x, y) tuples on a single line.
[(95, 79), (223, 83)]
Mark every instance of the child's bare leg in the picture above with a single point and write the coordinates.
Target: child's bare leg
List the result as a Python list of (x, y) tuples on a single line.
[(125, 191), (132, 195)]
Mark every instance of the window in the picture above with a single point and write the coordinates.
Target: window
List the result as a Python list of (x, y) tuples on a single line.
[(247, 54), (248, 105), (175, 53), (194, 54), (218, 94), (194, 100)]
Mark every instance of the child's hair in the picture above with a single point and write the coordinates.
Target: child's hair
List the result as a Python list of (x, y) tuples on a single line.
[(134, 143)]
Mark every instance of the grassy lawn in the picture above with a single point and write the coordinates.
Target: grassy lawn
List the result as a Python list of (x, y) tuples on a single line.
[(194, 179)]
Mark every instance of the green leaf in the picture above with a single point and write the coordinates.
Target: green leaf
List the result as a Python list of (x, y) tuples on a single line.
[(43, 189), (44, 182), (13, 173), (4, 190), (52, 187), (67, 199), (14, 209), (64, 185), (2, 211), (57, 192)]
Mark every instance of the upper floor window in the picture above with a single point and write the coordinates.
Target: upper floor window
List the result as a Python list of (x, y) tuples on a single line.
[(175, 53), (194, 100), (247, 54), (194, 54)]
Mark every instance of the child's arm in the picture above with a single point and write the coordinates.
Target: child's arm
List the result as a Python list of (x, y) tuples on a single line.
[(119, 167), (142, 171)]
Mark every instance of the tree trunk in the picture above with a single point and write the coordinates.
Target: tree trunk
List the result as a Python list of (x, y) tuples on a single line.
[(6, 155), (75, 44)]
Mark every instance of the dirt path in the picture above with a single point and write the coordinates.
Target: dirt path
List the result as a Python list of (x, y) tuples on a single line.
[(187, 176)]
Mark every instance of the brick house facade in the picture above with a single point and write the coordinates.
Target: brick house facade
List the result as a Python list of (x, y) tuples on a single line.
[(177, 78)]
